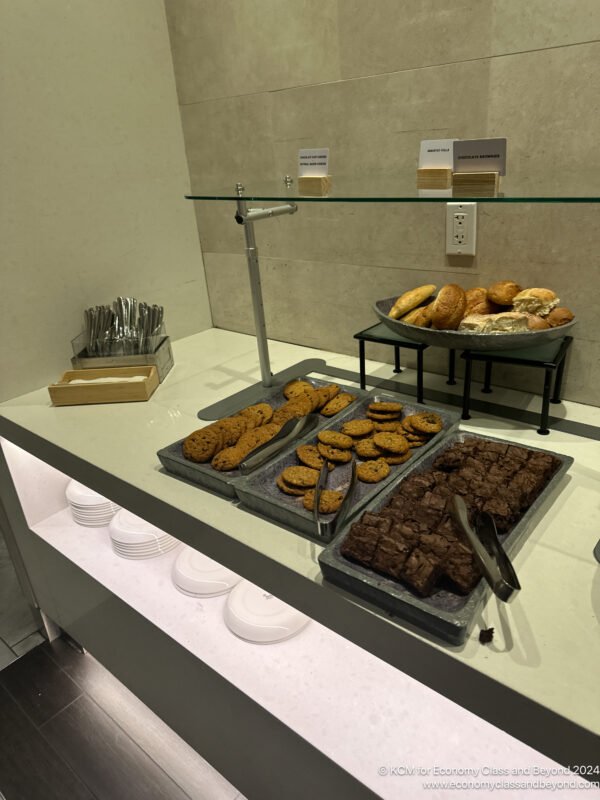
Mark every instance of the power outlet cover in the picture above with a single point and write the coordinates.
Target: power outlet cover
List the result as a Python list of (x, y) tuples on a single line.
[(461, 229)]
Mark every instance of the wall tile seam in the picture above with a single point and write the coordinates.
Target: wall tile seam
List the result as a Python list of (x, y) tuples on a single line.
[(264, 259), (384, 74)]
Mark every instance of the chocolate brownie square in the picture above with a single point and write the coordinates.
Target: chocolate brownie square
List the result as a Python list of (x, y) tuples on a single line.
[(421, 572), (391, 555), (360, 543), (379, 521), (462, 571)]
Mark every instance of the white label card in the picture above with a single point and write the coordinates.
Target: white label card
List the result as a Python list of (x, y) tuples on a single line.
[(480, 155), (436, 154), (313, 163)]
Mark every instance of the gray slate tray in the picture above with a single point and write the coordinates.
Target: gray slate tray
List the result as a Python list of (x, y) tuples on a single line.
[(467, 340), (260, 493), (223, 483), (444, 614)]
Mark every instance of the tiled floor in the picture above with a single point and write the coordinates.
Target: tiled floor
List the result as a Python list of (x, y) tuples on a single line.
[(18, 628), (69, 729)]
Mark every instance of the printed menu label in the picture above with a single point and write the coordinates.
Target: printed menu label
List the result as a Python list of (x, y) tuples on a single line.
[(436, 154), (313, 163), (480, 155)]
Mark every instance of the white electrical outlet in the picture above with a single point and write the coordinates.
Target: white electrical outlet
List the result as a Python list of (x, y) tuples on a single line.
[(461, 229)]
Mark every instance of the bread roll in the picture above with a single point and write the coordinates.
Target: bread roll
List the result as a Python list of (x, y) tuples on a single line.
[(537, 323), (475, 296), (559, 316), (409, 300), (535, 301), (503, 292), (449, 307), (506, 322), (419, 316), (474, 322)]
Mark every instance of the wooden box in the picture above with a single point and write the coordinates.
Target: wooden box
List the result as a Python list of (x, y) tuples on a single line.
[(314, 186), (65, 393), (434, 178), (475, 184)]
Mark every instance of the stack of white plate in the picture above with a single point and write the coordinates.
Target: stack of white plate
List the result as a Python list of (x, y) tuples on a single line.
[(88, 507), (198, 575), (133, 537)]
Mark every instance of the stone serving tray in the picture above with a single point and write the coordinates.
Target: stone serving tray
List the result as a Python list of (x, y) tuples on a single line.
[(259, 492), (223, 483), (445, 614), (467, 340)]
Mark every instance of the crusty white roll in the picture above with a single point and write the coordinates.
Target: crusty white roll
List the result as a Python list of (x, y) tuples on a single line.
[(409, 300), (474, 322), (449, 307), (535, 301), (506, 322)]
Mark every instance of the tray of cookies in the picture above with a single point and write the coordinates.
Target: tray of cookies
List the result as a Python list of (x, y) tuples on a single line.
[(381, 434), (211, 456), (406, 554), (500, 317)]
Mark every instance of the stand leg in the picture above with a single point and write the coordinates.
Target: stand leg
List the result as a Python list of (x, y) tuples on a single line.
[(558, 381), (487, 381), (467, 387), (397, 359), (361, 359), (543, 429), (451, 367), (420, 375)]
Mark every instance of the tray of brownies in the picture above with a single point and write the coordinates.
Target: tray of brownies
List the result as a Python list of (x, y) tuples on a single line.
[(406, 553)]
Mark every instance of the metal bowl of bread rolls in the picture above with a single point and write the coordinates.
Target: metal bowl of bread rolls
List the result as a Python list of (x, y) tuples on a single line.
[(503, 316)]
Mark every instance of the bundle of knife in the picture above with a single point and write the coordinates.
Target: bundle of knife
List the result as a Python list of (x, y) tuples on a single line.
[(126, 328)]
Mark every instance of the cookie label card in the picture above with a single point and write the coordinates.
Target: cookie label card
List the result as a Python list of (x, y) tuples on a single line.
[(436, 154), (313, 163), (480, 155)]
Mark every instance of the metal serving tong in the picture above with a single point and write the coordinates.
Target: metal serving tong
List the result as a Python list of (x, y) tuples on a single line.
[(290, 430), (342, 513), (489, 554)]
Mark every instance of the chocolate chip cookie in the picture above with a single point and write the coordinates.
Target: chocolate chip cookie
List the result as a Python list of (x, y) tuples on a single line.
[(329, 501), (335, 439), (338, 404), (372, 471)]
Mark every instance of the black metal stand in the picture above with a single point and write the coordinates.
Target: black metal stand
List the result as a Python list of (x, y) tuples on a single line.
[(549, 357), (382, 335)]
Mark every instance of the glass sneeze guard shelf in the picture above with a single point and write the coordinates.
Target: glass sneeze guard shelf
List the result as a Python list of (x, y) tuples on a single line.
[(574, 186)]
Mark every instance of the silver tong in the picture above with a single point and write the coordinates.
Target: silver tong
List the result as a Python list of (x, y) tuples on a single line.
[(342, 513), (290, 430), (493, 562)]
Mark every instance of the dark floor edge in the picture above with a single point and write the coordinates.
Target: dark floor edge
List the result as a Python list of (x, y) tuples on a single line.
[(494, 409)]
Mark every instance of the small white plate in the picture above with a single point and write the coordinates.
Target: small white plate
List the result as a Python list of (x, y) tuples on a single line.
[(257, 616), (198, 575)]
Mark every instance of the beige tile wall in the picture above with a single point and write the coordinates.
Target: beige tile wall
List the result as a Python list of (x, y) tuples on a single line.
[(93, 179), (259, 80)]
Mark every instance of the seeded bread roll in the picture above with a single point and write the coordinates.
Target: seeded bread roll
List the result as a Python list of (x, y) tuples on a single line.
[(449, 307), (559, 316), (535, 301), (503, 292), (409, 300)]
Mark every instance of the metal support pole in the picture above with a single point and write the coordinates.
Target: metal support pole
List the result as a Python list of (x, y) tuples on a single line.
[(256, 292), (246, 218)]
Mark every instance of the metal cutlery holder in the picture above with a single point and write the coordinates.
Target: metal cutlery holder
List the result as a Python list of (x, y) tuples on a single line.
[(161, 356)]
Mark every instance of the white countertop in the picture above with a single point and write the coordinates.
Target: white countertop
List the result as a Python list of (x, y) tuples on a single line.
[(547, 642)]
